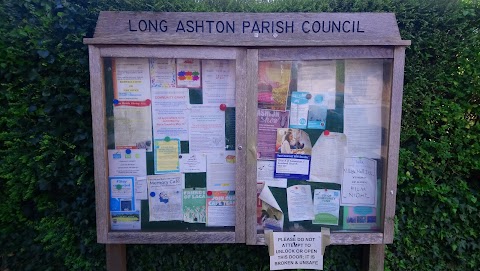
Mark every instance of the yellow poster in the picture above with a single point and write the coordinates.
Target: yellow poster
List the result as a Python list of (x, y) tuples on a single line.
[(166, 155)]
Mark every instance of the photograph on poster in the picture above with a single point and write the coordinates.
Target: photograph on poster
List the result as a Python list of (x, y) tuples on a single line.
[(273, 84), (268, 123)]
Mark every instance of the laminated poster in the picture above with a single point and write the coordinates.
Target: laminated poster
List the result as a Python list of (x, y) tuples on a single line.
[(218, 82), (328, 156), (268, 123), (162, 73), (359, 186), (170, 113), (326, 206), (318, 79), (299, 203), (131, 104), (122, 193), (265, 172), (165, 196), (220, 208), (272, 215), (221, 171), (166, 155), (194, 205), (188, 73), (273, 84), (206, 129)]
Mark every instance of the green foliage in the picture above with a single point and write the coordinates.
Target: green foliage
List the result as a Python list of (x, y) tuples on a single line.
[(47, 211)]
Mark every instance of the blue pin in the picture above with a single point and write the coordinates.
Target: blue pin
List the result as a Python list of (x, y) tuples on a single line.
[(152, 194), (115, 101), (128, 151)]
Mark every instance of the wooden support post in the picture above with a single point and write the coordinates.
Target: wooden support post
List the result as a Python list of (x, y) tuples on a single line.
[(116, 257), (374, 257)]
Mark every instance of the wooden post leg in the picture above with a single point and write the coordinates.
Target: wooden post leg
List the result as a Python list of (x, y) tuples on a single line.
[(116, 257), (374, 256)]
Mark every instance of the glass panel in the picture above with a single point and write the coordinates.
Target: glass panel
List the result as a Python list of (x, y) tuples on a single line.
[(171, 143), (322, 143)]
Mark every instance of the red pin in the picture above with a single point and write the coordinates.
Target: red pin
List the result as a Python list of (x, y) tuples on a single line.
[(209, 193), (223, 107), (327, 132)]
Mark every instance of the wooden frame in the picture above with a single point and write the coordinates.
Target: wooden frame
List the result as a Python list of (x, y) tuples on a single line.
[(104, 235), (149, 34)]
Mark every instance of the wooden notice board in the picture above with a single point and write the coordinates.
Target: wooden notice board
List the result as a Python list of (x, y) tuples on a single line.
[(219, 127)]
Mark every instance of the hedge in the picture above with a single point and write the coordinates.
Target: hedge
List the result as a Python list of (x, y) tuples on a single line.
[(47, 210)]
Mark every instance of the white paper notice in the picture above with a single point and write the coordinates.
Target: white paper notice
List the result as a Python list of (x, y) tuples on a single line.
[(207, 129), (218, 82), (141, 188), (265, 170), (318, 78), (133, 127), (363, 81), (169, 113), (162, 73), (221, 171), (127, 162), (363, 127), (131, 79), (296, 250), (359, 182), (328, 155), (299, 203), (165, 196), (193, 162)]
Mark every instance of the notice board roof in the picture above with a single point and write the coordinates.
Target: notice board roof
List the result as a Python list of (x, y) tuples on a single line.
[(246, 29)]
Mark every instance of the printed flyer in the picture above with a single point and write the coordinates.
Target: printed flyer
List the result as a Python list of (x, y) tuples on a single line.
[(162, 73), (221, 171), (273, 84), (207, 129), (122, 193), (121, 221), (218, 82), (326, 206), (165, 193), (127, 162), (188, 73), (293, 154), (268, 123), (166, 155), (220, 208), (170, 113), (131, 104), (265, 172), (194, 205), (317, 78), (299, 203), (193, 162)]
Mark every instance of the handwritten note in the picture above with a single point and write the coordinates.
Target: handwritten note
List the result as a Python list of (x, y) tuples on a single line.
[(359, 182)]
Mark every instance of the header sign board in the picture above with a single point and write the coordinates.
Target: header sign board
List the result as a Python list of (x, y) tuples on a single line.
[(246, 29)]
